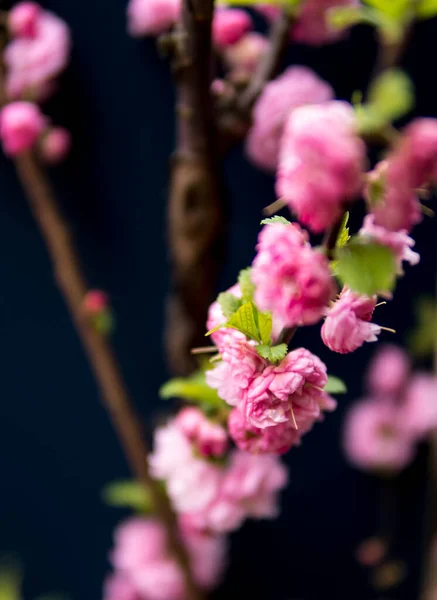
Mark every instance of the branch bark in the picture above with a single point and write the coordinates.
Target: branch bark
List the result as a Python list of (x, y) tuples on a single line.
[(71, 283), (197, 203)]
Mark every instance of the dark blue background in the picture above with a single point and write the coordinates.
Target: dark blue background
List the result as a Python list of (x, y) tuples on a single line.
[(57, 447)]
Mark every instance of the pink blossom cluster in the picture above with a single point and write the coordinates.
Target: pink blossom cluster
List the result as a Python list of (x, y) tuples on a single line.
[(410, 166), (38, 52), (294, 87), (382, 430), (215, 496), (243, 56), (321, 161), (144, 568), (292, 279), (347, 325)]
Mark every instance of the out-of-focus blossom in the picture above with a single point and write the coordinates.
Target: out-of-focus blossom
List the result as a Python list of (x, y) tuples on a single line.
[(95, 302), (418, 410), (243, 56), (321, 161), (296, 86), (119, 587), (55, 145), (388, 371), (23, 19), (229, 26), (33, 61), (151, 17), (347, 325), (373, 438), (21, 124), (210, 439), (312, 24), (292, 280), (398, 241)]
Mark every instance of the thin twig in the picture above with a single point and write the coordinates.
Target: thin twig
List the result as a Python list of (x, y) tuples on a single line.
[(72, 285)]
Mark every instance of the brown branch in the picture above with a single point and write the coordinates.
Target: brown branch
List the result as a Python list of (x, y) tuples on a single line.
[(71, 283), (196, 209)]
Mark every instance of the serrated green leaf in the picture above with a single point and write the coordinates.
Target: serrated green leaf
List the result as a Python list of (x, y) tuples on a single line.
[(192, 389), (366, 267), (272, 353), (422, 340), (275, 219), (128, 494), (265, 327), (228, 303), (427, 9), (335, 385), (391, 95), (343, 235), (246, 285), (246, 321)]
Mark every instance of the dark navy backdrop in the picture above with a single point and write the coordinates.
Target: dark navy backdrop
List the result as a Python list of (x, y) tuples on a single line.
[(57, 447)]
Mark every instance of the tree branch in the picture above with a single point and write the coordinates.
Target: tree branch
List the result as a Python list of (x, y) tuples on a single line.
[(197, 207)]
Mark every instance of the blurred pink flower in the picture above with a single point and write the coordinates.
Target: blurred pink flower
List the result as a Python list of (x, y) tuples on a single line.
[(388, 371), (312, 25), (243, 56), (209, 438), (398, 241), (321, 161), (33, 62), (119, 587), (347, 325), (23, 19), (418, 411), (292, 279), (296, 86), (21, 124), (229, 26), (55, 145), (373, 439), (151, 17)]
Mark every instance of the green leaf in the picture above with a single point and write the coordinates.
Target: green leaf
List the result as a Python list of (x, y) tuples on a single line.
[(104, 322), (335, 385), (10, 582), (192, 389), (396, 9), (246, 321), (128, 494), (275, 219), (391, 95), (265, 327), (246, 285), (343, 235), (427, 9), (272, 353), (366, 267), (341, 17), (228, 303), (422, 339), (376, 189)]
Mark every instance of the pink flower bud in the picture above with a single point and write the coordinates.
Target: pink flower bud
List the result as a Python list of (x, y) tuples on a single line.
[(229, 26), (95, 302), (388, 371), (23, 19), (152, 17), (244, 55), (418, 412), (21, 123), (55, 145)]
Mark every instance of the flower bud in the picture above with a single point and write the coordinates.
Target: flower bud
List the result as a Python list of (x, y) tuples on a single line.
[(21, 123)]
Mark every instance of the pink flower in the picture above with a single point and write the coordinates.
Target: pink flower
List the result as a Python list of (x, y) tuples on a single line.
[(312, 25), (152, 17), (296, 86), (275, 440), (229, 26), (292, 280), (291, 392), (209, 438), (418, 148), (32, 62), (398, 241), (347, 325), (55, 145), (388, 371), (119, 587), (192, 483), (21, 123), (243, 56), (223, 336), (23, 19), (373, 439), (268, 11), (144, 565), (418, 412), (234, 374), (321, 159)]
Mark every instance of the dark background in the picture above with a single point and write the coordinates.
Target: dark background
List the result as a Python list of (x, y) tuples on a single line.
[(57, 447)]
